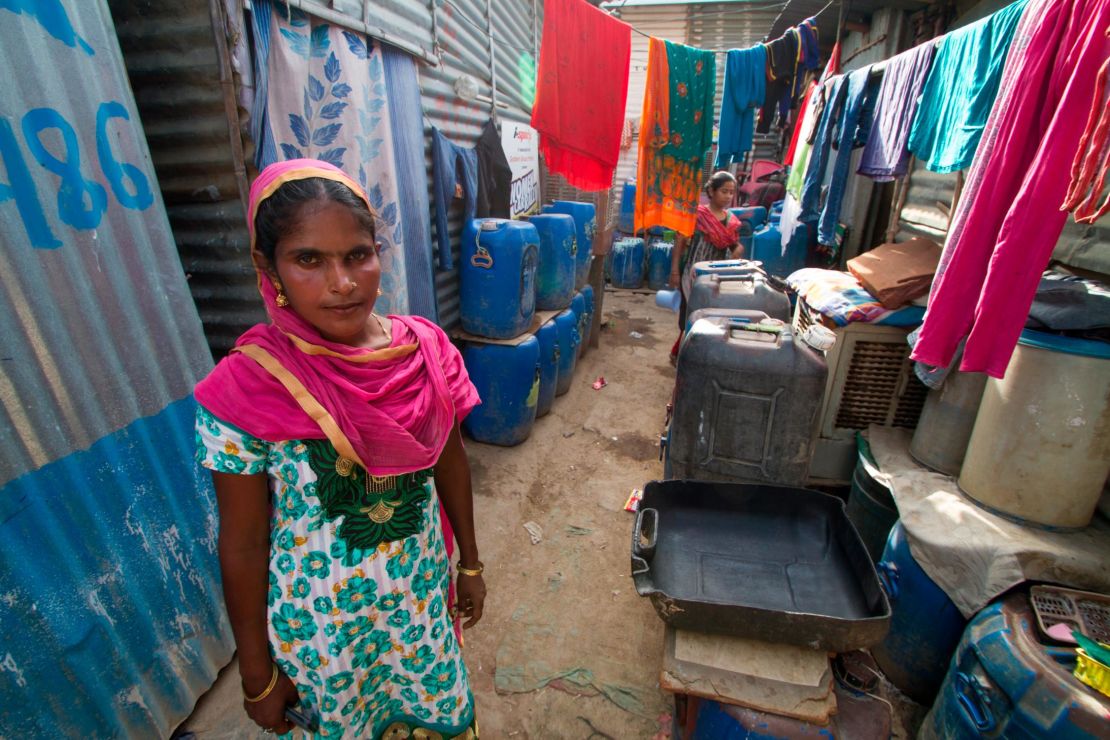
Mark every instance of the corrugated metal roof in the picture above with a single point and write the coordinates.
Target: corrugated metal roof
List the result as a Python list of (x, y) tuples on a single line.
[(107, 528)]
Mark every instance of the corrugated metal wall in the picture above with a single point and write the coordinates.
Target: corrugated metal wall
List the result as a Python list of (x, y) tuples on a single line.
[(406, 24), (463, 34), (724, 26), (171, 54), (111, 611)]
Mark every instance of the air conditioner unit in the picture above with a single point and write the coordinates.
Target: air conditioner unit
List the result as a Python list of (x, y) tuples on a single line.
[(871, 381)]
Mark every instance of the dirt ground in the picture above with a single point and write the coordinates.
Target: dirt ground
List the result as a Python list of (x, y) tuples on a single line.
[(566, 648)]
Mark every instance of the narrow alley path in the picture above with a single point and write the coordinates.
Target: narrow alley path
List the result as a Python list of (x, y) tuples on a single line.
[(566, 648)]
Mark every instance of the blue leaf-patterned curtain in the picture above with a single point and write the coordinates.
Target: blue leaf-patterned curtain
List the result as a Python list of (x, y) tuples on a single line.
[(322, 94)]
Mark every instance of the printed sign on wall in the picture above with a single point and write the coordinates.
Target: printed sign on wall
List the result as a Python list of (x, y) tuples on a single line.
[(521, 144)]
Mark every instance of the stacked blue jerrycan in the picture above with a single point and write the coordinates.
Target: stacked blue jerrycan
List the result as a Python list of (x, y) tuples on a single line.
[(584, 315), (585, 224), (497, 277), (659, 264), (558, 247), (507, 378), (767, 248), (746, 401), (925, 626), (566, 326), (627, 213), (752, 219), (1004, 682), (756, 216), (548, 337), (736, 284), (587, 322), (626, 263)]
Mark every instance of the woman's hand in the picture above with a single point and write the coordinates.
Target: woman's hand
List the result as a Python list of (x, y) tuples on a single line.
[(269, 714), (674, 280), (737, 252), (470, 594)]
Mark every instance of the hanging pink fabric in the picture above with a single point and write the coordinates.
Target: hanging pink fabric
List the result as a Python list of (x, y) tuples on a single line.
[(1007, 222), (581, 88), (396, 405), (1092, 162)]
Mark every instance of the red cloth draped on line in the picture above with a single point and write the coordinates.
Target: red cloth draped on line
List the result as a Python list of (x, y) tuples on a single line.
[(581, 90)]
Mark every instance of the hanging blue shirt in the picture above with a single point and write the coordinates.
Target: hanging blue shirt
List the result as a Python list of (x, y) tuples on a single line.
[(960, 90), (745, 88)]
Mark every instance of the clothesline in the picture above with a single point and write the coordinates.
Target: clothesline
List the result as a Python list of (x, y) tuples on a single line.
[(782, 5), (787, 5)]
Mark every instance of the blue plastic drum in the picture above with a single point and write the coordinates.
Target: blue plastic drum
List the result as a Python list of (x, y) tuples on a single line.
[(548, 337), (767, 248), (925, 626), (659, 265), (587, 322), (566, 325), (558, 248), (497, 277), (585, 223), (627, 263), (508, 382)]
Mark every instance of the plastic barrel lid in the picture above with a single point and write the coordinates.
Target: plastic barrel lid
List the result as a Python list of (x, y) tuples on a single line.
[(1067, 345)]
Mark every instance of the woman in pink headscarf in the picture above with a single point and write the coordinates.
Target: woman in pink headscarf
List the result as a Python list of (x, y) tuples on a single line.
[(333, 437)]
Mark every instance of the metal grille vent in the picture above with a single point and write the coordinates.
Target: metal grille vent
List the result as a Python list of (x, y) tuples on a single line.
[(880, 388)]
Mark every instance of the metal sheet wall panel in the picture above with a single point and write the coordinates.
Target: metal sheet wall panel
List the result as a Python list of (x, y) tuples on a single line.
[(463, 36), (107, 529), (174, 71), (724, 26), (407, 24), (928, 197)]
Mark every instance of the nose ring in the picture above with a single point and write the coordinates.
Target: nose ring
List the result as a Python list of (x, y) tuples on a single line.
[(354, 284)]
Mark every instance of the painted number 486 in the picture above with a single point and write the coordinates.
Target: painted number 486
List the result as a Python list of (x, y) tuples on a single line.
[(81, 203)]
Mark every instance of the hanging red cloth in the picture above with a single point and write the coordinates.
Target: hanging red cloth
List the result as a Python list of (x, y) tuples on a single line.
[(581, 90), (789, 158)]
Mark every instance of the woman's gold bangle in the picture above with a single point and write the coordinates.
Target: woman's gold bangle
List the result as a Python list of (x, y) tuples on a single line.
[(264, 694), (470, 571)]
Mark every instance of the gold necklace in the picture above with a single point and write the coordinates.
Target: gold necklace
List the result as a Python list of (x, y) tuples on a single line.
[(388, 336)]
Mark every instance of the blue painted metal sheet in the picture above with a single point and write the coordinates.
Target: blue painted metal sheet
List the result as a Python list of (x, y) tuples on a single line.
[(111, 618)]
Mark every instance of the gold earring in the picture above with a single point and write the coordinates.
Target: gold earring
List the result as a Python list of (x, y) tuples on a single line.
[(282, 300), (379, 291)]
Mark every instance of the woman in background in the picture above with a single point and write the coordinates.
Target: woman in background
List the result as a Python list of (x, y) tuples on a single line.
[(716, 237)]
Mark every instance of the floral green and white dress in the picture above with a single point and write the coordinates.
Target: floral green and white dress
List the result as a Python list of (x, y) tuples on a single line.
[(358, 592)]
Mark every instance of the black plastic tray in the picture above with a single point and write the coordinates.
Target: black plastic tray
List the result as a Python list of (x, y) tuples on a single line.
[(766, 562)]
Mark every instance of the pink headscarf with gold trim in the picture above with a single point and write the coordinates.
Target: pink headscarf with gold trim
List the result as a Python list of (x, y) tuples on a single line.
[(394, 406)]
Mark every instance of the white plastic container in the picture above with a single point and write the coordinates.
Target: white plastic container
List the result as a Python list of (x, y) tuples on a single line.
[(944, 428), (1040, 449)]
